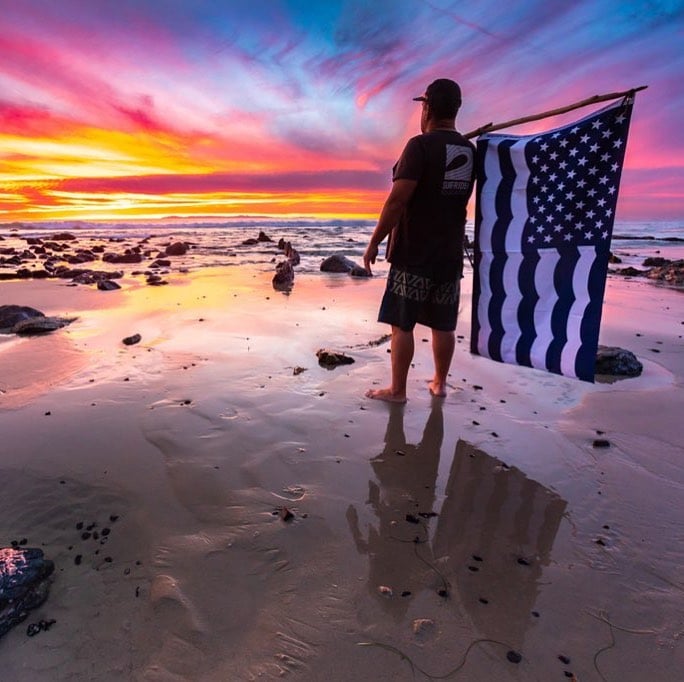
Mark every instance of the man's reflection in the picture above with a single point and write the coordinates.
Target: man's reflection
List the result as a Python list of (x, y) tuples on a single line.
[(402, 499), (489, 542)]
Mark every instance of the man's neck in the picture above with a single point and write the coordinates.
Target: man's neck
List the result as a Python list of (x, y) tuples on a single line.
[(444, 124)]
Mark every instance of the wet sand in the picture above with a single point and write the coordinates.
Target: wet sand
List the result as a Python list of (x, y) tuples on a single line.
[(450, 532)]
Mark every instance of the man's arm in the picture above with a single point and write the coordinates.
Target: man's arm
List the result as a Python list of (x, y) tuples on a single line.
[(396, 202)]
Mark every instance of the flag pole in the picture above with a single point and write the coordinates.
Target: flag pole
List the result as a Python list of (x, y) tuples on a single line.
[(489, 127)]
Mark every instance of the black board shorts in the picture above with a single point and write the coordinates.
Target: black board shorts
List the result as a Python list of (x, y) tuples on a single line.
[(412, 299)]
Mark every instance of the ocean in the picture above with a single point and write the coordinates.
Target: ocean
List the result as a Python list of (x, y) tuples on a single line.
[(221, 243)]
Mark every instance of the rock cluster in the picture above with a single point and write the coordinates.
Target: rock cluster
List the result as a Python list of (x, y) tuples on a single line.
[(659, 269)]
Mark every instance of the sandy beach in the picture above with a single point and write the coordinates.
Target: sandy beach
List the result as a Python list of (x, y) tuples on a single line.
[(266, 520)]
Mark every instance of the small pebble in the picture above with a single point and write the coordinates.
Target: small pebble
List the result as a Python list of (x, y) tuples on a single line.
[(601, 443), (514, 656), (77, 559), (563, 659)]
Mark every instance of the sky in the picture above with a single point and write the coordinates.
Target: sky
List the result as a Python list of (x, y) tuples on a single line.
[(208, 109)]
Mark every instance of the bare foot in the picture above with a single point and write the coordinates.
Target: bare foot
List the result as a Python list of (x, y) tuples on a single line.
[(437, 389), (385, 394)]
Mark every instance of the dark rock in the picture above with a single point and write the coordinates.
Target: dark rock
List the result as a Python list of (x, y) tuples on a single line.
[(612, 258), (155, 280), (176, 249), (514, 656), (63, 236), (160, 263), (655, 261), (24, 583), (672, 273), (339, 263), (129, 257), (250, 242), (90, 276), (601, 443), (615, 361), (107, 285), (132, 340), (40, 325), (332, 358), (263, 237), (358, 271), (11, 314), (284, 276), (630, 272)]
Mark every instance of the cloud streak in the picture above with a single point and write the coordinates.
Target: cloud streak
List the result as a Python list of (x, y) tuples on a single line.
[(282, 97)]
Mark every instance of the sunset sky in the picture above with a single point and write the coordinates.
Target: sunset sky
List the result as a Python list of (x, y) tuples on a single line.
[(125, 109)]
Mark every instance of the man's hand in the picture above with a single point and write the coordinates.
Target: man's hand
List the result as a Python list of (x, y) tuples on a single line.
[(369, 257)]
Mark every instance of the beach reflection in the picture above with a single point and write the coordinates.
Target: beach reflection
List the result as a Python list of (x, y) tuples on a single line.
[(402, 499), (484, 551)]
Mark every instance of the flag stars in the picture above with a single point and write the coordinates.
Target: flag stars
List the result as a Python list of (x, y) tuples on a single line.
[(596, 125), (605, 157), (589, 234), (603, 180), (594, 148), (584, 139), (583, 161), (617, 143)]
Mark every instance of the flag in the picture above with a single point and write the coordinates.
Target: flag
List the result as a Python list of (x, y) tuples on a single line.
[(545, 206)]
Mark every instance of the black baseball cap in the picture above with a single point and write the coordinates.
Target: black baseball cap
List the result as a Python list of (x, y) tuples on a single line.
[(442, 94)]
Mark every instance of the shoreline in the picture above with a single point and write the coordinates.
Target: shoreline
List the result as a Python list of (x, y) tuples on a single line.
[(200, 435)]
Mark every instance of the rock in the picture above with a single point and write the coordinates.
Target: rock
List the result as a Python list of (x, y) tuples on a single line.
[(339, 263), (155, 280), (615, 361), (358, 271), (128, 257), (176, 249), (24, 583), (284, 276), (263, 237), (63, 236), (332, 358), (250, 242), (612, 258), (89, 276), (40, 325), (423, 627), (11, 314), (160, 263), (656, 261), (672, 273), (132, 340), (630, 272), (107, 285)]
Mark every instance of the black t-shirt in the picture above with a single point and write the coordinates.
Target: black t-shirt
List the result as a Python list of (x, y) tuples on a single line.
[(429, 237)]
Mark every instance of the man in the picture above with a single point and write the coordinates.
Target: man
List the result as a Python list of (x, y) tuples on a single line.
[(424, 216)]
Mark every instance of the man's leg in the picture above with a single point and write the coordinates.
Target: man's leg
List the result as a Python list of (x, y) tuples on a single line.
[(402, 346), (443, 344)]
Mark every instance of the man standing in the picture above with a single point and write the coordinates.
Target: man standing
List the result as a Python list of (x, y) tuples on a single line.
[(424, 216)]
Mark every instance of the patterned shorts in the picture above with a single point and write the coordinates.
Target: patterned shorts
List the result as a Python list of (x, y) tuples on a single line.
[(412, 299)]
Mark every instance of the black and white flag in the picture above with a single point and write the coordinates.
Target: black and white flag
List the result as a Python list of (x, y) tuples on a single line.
[(544, 219)]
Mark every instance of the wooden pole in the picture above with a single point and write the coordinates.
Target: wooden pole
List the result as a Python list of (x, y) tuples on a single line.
[(489, 127)]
